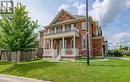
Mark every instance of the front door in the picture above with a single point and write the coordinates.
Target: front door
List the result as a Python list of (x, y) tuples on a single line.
[(58, 46)]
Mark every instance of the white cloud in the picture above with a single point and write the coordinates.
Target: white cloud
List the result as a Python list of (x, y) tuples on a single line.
[(81, 8), (122, 38), (63, 6), (128, 3), (107, 10), (71, 0)]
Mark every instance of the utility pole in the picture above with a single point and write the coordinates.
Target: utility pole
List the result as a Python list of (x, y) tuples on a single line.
[(87, 49), (87, 34)]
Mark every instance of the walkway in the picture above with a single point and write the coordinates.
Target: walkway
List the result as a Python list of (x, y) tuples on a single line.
[(125, 58), (9, 78)]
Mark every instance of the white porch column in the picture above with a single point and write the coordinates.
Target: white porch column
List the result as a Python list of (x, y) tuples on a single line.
[(52, 51), (63, 46), (74, 45)]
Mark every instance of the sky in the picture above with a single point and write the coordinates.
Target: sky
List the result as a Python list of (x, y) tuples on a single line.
[(113, 16), (45, 10)]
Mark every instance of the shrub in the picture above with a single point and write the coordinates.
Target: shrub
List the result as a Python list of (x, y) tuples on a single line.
[(117, 53)]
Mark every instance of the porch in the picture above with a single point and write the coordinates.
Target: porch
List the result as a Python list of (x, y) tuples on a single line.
[(61, 46)]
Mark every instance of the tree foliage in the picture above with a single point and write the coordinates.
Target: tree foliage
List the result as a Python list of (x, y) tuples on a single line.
[(123, 47), (17, 30)]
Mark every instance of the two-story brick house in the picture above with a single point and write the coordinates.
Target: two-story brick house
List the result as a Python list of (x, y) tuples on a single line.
[(65, 37)]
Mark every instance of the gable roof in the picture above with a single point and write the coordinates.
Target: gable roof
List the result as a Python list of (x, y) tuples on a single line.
[(59, 14)]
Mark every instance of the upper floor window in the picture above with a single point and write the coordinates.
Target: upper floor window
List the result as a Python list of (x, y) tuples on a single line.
[(59, 29), (83, 25), (52, 30), (67, 27)]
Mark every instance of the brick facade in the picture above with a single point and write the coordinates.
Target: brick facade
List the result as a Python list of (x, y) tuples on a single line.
[(97, 46), (96, 38)]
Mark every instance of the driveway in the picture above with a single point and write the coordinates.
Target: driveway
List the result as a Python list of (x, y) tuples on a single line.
[(9, 78)]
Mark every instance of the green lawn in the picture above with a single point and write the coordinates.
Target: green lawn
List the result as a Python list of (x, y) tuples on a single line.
[(126, 56), (113, 70)]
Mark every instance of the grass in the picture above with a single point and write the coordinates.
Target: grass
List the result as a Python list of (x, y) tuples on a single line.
[(84, 59), (126, 56), (114, 70)]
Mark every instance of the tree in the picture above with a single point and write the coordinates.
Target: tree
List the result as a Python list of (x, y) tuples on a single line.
[(17, 30), (123, 47)]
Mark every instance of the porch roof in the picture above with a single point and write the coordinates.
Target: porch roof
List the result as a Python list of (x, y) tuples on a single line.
[(62, 34)]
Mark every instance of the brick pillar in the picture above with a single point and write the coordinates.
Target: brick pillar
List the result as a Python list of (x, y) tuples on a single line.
[(41, 40)]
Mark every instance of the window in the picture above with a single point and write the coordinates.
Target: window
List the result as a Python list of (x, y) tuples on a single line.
[(83, 25), (67, 28), (59, 29), (84, 42), (51, 30), (61, 44)]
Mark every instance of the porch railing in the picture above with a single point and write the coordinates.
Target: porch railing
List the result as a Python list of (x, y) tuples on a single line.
[(50, 52), (73, 52), (63, 52), (61, 30)]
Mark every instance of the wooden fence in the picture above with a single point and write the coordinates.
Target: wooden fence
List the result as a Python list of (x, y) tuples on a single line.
[(18, 56)]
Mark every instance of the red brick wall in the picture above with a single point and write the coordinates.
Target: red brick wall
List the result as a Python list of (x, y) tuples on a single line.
[(41, 40), (97, 46), (79, 39)]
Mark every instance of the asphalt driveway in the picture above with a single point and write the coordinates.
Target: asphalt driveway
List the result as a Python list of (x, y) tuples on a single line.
[(9, 78)]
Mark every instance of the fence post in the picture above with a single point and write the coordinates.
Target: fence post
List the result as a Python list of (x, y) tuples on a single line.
[(18, 56), (0, 54)]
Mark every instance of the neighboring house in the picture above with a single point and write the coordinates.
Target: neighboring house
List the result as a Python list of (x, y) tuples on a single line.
[(65, 36), (128, 48)]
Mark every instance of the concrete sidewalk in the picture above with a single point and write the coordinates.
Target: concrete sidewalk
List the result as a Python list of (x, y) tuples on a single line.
[(125, 58), (9, 78)]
